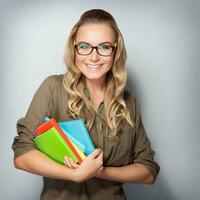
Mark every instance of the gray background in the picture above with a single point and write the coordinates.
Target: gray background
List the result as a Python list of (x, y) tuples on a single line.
[(163, 45)]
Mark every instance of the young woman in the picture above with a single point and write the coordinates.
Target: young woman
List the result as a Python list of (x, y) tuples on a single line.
[(92, 89)]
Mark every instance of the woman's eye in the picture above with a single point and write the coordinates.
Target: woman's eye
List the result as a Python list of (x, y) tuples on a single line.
[(104, 46), (83, 46)]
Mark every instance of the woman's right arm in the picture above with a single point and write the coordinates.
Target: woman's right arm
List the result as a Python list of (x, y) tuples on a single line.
[(38, 163)]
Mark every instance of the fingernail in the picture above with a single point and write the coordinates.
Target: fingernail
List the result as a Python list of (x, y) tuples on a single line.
[(99, 150)]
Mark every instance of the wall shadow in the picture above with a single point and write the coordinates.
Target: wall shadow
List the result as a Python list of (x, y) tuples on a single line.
[(159, 191)]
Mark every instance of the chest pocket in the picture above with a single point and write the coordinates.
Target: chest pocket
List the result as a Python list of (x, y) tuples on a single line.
[(118, 149)]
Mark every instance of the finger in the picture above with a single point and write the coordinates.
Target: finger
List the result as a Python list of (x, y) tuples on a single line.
[(95, 153), (67, 162), (100, 157), (100, 171), (73, 164)]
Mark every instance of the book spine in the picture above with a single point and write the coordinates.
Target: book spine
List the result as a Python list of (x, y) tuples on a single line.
[(42, 128)]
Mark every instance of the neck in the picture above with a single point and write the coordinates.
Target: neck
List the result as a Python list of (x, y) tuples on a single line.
[(96, 86)]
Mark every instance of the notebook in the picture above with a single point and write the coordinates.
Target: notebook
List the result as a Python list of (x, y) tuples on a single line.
[(53, 145), (53, 123), (77, 129)]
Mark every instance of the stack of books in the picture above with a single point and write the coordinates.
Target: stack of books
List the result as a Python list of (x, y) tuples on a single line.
[(60, 139)]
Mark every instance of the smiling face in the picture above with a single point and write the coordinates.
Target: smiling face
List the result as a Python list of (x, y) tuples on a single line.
[(94, 66)]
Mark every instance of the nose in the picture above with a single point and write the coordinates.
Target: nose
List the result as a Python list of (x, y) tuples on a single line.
[(94, 56)]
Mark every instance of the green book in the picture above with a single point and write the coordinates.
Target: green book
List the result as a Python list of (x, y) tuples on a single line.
[(53, 145)]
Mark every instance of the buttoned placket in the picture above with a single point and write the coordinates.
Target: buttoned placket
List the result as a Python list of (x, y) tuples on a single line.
[(98, 119), (83, 192), (99, 124)]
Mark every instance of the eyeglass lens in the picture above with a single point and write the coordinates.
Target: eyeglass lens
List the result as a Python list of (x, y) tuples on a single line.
[(102, 49)]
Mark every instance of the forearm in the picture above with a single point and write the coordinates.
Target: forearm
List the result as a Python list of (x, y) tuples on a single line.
[(137, 173), (38, 163)]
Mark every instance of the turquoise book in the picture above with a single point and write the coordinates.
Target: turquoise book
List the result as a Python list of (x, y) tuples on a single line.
[(78, 130), (75, 141)]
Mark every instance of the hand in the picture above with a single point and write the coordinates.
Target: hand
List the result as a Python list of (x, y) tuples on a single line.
[(90, 167), (70, 163), (101, 174)]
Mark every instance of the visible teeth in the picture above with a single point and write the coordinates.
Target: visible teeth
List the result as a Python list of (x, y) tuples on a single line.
[(93, 67)]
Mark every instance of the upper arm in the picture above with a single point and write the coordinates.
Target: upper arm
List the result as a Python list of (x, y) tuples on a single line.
[(142, 151), (41, 106)]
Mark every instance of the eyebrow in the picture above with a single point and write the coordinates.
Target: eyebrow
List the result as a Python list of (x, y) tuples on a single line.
[(106, 42)]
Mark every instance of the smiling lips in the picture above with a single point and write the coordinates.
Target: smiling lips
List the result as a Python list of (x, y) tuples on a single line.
[(93, 67)]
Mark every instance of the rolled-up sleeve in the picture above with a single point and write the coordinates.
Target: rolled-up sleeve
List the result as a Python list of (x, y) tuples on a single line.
[(41, 106), (142, 152)]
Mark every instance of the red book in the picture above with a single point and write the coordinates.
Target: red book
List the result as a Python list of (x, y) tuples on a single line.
[(53, 123), (43, 128)]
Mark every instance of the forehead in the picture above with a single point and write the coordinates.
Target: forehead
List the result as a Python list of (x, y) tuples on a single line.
[(95, 34)]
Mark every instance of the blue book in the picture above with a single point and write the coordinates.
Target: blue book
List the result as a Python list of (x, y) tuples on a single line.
[(74, 140), (77, 129)]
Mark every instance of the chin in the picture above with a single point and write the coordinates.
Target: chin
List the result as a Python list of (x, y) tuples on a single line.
[(96, 76), (93, 77)]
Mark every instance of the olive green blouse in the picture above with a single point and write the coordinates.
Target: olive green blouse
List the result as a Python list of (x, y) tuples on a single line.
[(130, 146)]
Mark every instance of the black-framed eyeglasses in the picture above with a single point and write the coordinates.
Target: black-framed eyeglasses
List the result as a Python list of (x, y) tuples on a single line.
[(103, 49)]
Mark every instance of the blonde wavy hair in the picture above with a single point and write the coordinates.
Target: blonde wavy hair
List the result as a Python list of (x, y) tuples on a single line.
[(116, 110)]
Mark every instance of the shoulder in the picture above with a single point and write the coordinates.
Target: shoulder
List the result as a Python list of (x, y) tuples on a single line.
[(129, 97), (132, 103), (52, 82)]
